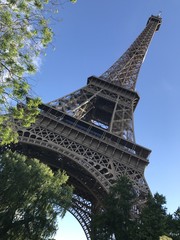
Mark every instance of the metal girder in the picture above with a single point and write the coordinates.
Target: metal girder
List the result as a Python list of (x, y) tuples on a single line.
[(105, 101), (125, 70), (90, 133), (93, 161)]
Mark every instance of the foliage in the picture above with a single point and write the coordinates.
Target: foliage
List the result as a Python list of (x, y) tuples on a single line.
[(115, 218), (174, 224), (116, 221), (152, 221), (31, 197), (24, 33)]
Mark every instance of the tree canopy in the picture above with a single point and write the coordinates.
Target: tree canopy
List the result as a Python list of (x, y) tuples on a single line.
[(114, 219), (117, 220), (24, 34), (31, 197), (152, 222), (173, 222)]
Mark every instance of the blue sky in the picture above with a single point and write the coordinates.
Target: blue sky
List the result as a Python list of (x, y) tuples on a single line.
[(89, 37)]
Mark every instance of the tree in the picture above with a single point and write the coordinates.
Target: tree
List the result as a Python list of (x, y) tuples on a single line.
[(31, 197), (176, 224), (152, 222), (24, 34), (115, 218), (173, 222)]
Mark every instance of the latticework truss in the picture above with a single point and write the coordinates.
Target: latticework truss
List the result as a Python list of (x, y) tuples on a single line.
[(102, 104), (90, 133), (109, 101), (93, 158), (124, 71)]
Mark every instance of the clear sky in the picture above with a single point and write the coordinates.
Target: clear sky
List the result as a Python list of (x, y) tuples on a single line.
[(89, 37)]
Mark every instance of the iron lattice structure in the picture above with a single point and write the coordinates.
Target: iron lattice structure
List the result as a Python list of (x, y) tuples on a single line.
[(90, 132)]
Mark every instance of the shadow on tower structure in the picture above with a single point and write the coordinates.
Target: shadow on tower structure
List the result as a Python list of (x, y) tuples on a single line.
[(90, 133)]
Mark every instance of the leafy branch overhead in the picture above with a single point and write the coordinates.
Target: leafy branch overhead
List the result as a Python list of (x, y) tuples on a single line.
[(24, 34)]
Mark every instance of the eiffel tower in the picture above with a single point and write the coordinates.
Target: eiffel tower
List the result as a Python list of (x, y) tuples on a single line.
[(90, 133)]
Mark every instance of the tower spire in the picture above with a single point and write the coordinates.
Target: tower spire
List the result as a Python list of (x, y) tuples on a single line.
[(124, 71)]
